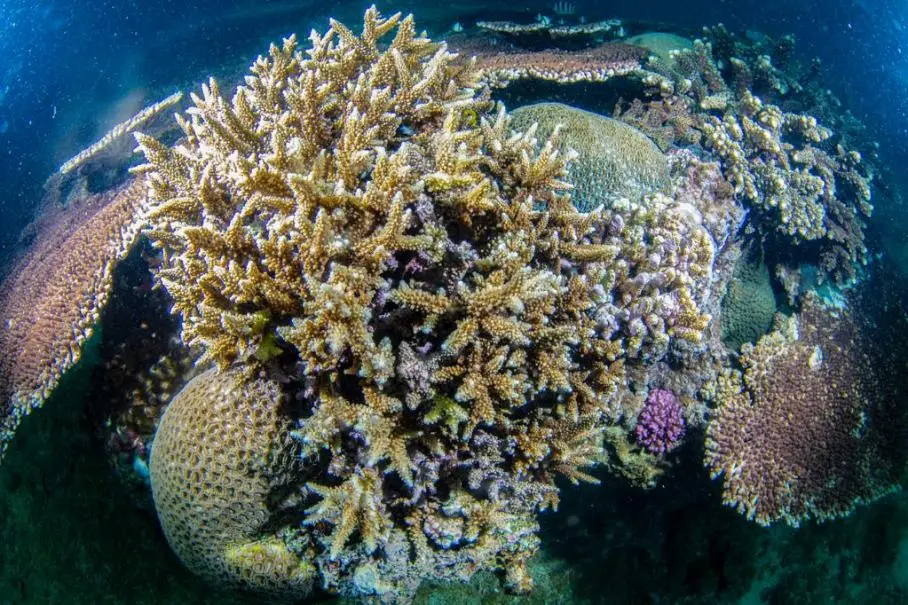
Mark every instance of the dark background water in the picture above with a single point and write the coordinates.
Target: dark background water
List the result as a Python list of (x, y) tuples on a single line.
[(71, 69)]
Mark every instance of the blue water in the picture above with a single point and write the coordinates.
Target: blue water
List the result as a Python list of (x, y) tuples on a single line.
[(69, 70)]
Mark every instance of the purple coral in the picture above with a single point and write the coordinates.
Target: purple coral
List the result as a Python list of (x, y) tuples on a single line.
[(660, 425)]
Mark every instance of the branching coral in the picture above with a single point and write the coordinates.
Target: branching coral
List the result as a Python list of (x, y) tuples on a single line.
[(811, 194), (359, 213), (120, 130), (815, 424), (50, 303)]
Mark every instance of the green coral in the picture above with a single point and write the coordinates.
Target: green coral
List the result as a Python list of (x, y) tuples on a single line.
[(749, 304), (616, 160)]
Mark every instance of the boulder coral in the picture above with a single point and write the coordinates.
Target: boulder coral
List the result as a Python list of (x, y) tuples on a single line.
[(222, 458), (615, 159)]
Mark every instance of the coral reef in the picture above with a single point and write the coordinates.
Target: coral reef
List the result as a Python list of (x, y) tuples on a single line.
[(813, 426), (357, 223), (221, 456), (660, 425), (615, 160), (50, 302), (415, 281)]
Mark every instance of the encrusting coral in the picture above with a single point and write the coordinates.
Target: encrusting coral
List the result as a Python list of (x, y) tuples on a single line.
[(356, 222), (51, 301)]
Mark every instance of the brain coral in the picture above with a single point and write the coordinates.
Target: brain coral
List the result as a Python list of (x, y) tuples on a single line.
[(221, 454), (815, 425), (616, 160), (749, 303)]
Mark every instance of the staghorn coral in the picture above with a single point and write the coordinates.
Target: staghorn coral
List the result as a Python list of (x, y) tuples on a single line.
[(52, 299), (415, 272), (118, 131), (615, 160), (668, 120), (815, 423), (216, 486)]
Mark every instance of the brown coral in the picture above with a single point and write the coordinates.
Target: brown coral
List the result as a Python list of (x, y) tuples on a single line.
[(499, 67), (358, 223), (812, 426), (222, 454), (51, 301)]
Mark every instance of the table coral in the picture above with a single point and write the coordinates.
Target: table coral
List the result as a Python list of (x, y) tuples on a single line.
[(500, 67), (52, 299), (813, 426)]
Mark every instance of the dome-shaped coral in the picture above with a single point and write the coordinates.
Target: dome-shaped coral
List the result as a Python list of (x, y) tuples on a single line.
[(222, 452), (616, 160), (749, 304)]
